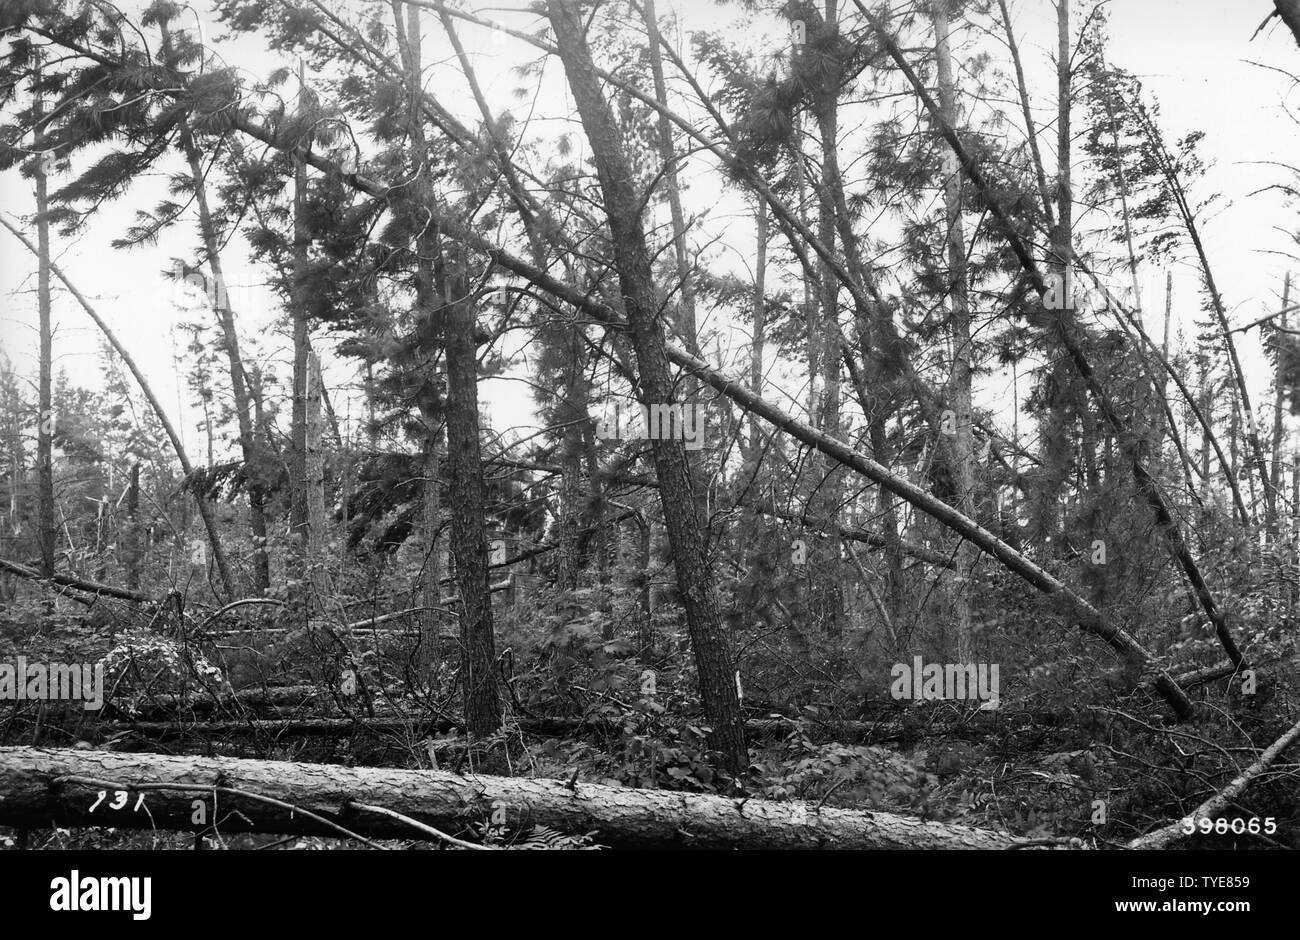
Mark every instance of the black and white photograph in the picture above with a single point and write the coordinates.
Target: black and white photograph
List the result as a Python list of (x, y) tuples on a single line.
[(603, 428)]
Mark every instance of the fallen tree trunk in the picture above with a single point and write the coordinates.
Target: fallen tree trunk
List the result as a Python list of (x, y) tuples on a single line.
[(1211, 808), (287, 697), (280, 722), (43, 788), (80, 584), (287, 727)]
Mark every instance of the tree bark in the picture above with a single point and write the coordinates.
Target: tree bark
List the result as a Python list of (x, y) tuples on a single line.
[(302, 599), (47, 787), (668, 158), (45, 417), (463, 461), (714, 661), (1279, 387), (410, 44), (828, 578), (469, 545), (758, 331), (132, 542), (961, 446)]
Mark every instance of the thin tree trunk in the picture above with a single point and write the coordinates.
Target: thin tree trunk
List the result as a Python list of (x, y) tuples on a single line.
[(463, 462), (314, 467), (131, 536), (46, 528), (1279, 387), (301, 598), (1294, 553), (1031, 133), (961, 446), (812, 343), (758, 330), (1169, 170), (240, 385), (469, 544), (827, 577), (427, 249), (686, 326), (239, 380)]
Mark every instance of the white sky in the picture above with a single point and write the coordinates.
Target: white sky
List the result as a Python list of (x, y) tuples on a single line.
[(1194, 55)]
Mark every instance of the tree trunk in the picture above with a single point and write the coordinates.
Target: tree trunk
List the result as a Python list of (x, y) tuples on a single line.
[(427, 248), (462, 464), (302, 600), (239, 379), (1293, 553), (809, 298), (716, 667), (961, 451), (758, 332), (621, 817), (468, 510), (828, 578), (131, 535), (686, 327), (1279, 387), (315, 480), (45, 417)]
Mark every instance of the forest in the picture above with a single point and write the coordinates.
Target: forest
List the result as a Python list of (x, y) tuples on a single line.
[(585, 424)]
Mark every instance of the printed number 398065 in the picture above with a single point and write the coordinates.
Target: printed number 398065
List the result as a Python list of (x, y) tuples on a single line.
[(1223, 825)]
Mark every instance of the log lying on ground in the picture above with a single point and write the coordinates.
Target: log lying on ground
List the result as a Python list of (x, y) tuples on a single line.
[(1215, 805), (1197, 677), (287, 727), (38, 791), (255, 699), (80, 584), (277, 724)]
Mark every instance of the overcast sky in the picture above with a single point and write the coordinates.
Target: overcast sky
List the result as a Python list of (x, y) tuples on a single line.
[(1194, 55)]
